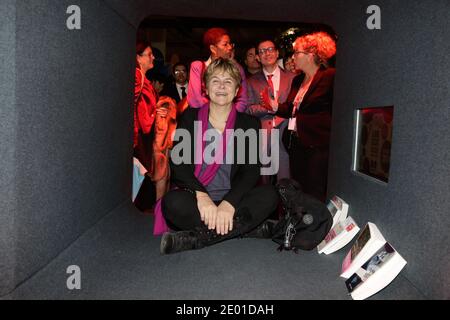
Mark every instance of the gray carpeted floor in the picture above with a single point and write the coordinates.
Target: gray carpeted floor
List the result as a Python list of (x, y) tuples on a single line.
[(119, 259)]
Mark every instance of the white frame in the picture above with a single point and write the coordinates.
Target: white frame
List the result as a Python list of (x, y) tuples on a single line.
[(357, 123)]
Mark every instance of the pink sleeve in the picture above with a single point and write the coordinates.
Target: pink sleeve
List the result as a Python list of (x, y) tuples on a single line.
[(242, 97), (195, 96)]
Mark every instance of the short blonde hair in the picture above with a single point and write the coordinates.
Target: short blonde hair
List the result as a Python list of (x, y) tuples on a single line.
[(223, 65), (321, 44)]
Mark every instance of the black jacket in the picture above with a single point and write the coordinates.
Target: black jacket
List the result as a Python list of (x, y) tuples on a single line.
[(244, 177), (314, 115), (170, 90)]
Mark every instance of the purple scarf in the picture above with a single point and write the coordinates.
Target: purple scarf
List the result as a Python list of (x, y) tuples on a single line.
[(209, 173)]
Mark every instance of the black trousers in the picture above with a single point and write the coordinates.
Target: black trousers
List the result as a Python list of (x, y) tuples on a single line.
[(180, 209), (144, 149), (309, 167), (146, 197)]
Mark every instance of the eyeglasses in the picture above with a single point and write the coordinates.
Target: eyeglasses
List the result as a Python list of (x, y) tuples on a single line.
[(267, 50), (226, 44), (148, 55), (298, 52), (179, 71)]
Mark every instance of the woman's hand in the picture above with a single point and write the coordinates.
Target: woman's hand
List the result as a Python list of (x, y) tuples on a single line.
[(225, 214), (162, 112), (163, 105), (267, 100), (208, 210)]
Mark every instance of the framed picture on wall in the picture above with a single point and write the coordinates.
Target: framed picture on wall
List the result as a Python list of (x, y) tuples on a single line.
[(373, 141)]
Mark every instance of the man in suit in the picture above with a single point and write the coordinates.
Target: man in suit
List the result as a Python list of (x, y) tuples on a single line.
[(278, 83), (252, 65), (177, 90)]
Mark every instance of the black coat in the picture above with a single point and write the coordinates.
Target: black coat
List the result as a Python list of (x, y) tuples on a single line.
[(244, 177), (170, 89), (314, 115)]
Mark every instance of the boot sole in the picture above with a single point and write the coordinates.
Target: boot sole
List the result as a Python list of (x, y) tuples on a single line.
[(166, 240)]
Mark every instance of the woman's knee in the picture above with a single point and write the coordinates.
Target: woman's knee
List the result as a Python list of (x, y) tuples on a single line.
[(177, 203)]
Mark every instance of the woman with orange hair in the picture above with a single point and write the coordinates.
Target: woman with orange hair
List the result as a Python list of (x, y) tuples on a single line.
[(309, 108)]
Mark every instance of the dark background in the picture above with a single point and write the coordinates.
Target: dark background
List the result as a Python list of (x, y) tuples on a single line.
[(184, 36)]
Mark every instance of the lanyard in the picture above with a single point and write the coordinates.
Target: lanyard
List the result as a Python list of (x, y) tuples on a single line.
[(300, 96)]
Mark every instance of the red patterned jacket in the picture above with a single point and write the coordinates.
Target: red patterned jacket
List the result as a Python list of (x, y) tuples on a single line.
[(145, 98)]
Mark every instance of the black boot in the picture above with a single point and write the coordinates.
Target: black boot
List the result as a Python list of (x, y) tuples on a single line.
[(263, 231), (172, 242)]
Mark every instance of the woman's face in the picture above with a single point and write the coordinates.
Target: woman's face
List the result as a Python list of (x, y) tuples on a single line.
[(250, 59), (302, 59), (146, 59), (290, 66), (222, 88), (223, 48)]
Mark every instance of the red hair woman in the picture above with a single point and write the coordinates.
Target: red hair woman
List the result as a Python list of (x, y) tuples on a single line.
[(309, 107), (218, 42)]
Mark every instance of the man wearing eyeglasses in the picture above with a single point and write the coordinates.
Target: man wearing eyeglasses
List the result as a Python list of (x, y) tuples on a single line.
[(274, 81), (179, 89)]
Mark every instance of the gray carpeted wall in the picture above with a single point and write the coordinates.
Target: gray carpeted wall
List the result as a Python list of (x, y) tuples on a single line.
[(67, 121), (66, 127), (8, 129), (404, 64)]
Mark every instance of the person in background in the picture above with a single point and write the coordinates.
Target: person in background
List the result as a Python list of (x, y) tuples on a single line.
[(178, 89), (252, 64), (218, 43), (145, 99), (278, 81), (216, 201), (164, 130), (309, 109), (158, 81), (289, 64), (145, 111)]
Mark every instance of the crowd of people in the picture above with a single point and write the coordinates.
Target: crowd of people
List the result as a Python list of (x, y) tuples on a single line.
[(200, 203)]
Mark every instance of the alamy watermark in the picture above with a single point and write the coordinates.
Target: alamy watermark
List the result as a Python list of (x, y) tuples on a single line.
[(74, 280), (374, 20), (74, 20), (260, 149)]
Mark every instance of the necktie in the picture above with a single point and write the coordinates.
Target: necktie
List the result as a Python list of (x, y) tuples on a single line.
[(183, 92), (270, 83)]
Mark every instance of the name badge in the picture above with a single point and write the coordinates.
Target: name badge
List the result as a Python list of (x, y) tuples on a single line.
[(292, 124)]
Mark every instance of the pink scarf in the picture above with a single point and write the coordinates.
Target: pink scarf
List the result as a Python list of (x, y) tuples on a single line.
[(209, 173)]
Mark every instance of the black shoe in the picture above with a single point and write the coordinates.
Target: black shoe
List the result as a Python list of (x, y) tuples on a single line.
[(263, 231), (172, 242)]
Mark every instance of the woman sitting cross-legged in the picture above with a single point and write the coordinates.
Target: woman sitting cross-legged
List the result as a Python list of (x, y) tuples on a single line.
[(217, 197)]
